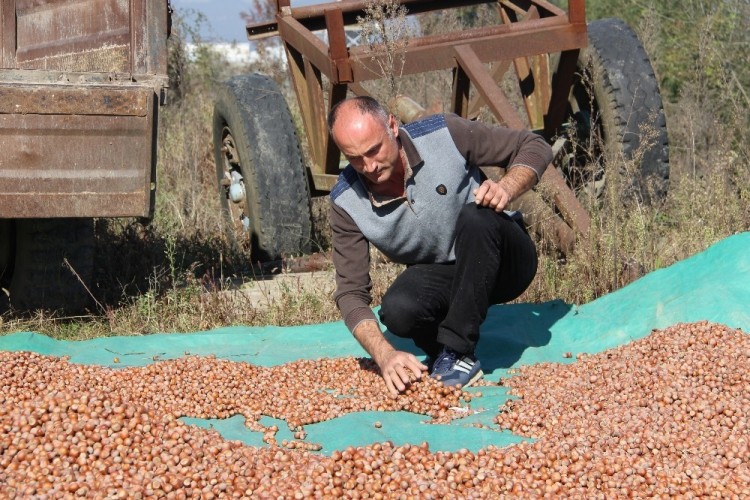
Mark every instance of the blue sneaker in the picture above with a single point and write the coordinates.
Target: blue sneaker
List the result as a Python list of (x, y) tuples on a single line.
[(429, 361), (455, 369)]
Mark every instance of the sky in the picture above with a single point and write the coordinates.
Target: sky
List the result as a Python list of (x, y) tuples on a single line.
[(224, 23)]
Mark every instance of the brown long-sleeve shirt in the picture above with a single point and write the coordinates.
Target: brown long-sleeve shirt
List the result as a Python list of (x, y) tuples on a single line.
[(444, 153)]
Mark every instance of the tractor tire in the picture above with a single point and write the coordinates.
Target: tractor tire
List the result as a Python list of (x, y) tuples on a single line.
[(616, 113), (262, 178), (47, 264)]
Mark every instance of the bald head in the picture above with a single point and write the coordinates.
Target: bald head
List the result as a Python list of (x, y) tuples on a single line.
[(367, 135), (361, 105)]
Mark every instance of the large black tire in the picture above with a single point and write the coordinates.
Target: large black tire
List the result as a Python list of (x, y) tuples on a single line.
[(254, 137), (615, 113), (47, 264)]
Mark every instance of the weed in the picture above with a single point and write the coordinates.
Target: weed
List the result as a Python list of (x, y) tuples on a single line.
[(385, 28)]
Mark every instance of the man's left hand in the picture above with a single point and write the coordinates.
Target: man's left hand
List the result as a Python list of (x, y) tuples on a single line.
[(498, 195), (492, 194)]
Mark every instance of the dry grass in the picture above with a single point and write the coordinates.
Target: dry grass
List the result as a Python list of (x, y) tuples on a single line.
[(180, 274)]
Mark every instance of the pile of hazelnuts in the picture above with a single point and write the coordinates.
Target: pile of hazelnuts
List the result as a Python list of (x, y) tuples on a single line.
[(662, 416)]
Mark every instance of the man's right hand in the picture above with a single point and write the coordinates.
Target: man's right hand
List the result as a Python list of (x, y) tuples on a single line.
[(399, 369)]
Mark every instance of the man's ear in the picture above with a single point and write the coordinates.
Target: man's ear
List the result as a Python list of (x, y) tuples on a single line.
[(393, 125)]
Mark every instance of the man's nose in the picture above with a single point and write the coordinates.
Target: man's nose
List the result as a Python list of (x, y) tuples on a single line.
[(370, 165)]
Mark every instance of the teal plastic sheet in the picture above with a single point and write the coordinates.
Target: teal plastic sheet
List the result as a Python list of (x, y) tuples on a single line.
[(713, 285)]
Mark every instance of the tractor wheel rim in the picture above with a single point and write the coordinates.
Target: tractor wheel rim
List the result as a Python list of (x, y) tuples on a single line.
[(238, 213)]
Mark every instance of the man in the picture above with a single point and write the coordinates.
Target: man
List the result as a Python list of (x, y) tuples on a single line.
[(417, 194)]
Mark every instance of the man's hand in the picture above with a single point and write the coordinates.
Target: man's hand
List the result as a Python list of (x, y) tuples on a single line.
[(492, 194), (399, 369), (497, 195)]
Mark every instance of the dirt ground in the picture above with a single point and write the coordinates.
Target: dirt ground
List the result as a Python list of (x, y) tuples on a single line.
[(262, 293)]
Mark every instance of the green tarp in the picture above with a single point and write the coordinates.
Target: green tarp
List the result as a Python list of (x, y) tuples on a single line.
[(713, 285)]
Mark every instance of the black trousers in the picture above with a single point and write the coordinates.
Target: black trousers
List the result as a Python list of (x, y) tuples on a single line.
[(445, 304)]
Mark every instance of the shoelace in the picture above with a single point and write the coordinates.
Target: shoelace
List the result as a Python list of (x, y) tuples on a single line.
[(445, 360)]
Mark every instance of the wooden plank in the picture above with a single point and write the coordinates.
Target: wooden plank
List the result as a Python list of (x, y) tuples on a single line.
[(73, 100), (159, 35), (76, 165), (532, 83), (325, 182), (106, 79), (48, 29), (540, 66), (317, 131), (92, 204), (8, 34), (138, 45), (297, 69)]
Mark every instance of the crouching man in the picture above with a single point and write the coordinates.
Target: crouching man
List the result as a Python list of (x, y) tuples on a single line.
[(418, 195)]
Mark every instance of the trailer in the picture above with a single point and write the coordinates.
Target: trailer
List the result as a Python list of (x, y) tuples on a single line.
[(587, 88), (81, 83)]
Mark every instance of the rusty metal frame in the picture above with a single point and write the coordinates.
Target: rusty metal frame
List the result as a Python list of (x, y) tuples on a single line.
[(479, 58)]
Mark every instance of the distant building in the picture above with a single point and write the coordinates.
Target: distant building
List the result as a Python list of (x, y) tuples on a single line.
[(241, 54), (247, 53)]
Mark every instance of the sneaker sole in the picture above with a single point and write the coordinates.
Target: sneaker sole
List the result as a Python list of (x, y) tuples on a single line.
[(478, 375), (474, 379)]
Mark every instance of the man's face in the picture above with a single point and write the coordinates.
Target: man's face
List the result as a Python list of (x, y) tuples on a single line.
[(370, 146)]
